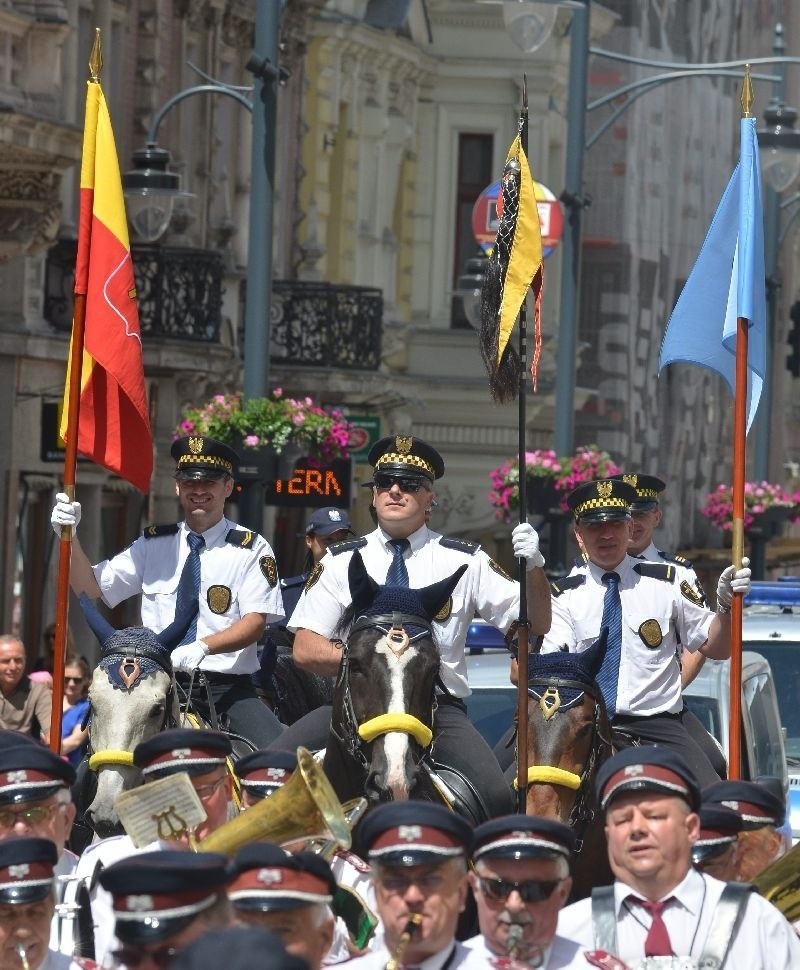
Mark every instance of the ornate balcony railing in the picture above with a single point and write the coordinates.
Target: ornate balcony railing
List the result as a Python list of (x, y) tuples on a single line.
[(323, 325), (180, 298)]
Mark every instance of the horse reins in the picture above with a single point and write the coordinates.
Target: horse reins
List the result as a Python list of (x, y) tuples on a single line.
[(397, 639), (582, 812)]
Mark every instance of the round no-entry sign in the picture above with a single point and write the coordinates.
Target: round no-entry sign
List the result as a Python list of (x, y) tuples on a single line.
[(488, 209)]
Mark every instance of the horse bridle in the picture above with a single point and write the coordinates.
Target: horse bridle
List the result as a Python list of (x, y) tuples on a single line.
[(397, 639), (582, 812), (130, 673)]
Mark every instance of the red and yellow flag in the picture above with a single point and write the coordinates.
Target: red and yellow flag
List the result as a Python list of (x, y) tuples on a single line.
[(114, 424)]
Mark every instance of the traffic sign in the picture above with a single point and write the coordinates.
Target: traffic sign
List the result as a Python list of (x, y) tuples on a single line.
[(488, 210)]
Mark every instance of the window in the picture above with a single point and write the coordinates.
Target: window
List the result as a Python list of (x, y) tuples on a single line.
[(474, 174)]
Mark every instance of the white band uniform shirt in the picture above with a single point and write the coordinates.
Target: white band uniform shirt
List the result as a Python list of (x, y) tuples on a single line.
[(483, 587), (153, 566), (455, 955), (764, 940), (649, 676), (560, 955)]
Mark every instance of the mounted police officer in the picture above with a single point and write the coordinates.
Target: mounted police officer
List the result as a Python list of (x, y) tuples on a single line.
[(661, 912), (403, 551), (645, 518), (230, 572), (648, 616)]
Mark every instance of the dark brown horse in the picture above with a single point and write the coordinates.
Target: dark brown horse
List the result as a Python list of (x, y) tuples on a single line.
[(569, 737), (383, 704)]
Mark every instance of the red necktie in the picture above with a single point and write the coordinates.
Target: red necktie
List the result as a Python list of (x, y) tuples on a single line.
[(657, 943)]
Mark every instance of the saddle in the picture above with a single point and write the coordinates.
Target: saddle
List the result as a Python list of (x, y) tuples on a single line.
[(457, 792)]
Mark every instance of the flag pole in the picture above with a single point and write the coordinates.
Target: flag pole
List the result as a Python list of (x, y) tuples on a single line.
[(737, 526), (74, 404), (524, 625)]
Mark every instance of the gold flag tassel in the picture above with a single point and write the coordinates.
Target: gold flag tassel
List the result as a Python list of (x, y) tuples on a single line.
[(515, 261)]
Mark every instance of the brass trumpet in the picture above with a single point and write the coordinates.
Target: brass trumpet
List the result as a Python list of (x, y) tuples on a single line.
[(780, 884), (306, 807)]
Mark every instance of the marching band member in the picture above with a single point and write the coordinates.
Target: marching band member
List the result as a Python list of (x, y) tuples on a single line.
[(521, 880)]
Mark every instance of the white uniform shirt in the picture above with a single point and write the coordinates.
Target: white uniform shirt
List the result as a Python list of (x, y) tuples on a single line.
[(685, 572), (105, 853), (153, 568), (764, 941), (62, 936), (649, 677), (456, 955), (483, 588), (560, 955)]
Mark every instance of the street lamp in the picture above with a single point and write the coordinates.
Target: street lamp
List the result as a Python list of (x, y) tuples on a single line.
[(152, 188), (150, 192)]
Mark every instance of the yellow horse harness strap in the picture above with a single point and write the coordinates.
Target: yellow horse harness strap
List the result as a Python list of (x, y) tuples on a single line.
[(406, 723), (551, 776)]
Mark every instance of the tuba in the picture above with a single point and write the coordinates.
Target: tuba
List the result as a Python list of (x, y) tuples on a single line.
[(306, 807), (780, 884)]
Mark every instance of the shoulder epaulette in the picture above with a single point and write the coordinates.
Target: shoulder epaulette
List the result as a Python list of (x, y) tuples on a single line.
[(346, 545), (559, 586), (293, 581), (674, 557), (580, 561), (243, 538), (656, 570), (154, 531), (463, 545)]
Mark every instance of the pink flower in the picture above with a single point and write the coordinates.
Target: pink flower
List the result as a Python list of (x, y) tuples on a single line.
[(252, 440)]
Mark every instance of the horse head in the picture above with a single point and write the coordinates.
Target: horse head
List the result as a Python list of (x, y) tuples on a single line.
[(383, 701), (568, 733), (131, 697)]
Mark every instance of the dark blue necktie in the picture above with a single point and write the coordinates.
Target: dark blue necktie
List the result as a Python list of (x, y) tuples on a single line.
[(189, 585), (398, 573), (608, 674)]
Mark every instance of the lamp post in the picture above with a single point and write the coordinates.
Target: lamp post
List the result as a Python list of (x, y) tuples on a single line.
[(152, 189)]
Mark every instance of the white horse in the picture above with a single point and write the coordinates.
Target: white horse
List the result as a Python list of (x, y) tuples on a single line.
[(132, 697)]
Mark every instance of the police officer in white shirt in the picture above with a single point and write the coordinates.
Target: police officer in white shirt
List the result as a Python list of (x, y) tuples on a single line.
[(238, 582), (649, 617), (660, 911), (645, 519), (403, 491)]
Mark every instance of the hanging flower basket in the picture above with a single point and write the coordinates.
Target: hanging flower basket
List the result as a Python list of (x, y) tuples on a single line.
[(767, 507), (550, 479), (269, 425)]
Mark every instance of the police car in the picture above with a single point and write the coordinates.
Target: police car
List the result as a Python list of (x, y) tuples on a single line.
[(771, 626)]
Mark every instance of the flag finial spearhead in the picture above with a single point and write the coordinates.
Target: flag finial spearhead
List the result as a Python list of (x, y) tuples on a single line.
[(747, 97), (96, 58)]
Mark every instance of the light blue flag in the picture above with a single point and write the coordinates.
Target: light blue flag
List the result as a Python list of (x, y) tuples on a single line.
[(727, 282)]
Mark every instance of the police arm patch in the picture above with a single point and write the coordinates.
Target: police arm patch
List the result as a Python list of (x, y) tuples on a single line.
[(314, 575), (269, 568), (499, 570)]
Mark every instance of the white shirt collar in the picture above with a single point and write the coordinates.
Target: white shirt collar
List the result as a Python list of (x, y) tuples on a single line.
[(212, 535), (689, 893)]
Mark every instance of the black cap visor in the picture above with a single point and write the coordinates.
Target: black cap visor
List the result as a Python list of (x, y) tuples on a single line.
[(35, 793), (151, 929), (21, 895), (200, 474), (604, 515), (710, 850)]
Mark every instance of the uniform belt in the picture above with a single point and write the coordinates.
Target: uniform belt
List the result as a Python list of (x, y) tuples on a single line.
[(212, 676)]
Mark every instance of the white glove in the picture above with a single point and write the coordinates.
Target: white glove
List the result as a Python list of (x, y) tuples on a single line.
[(732, 580), (525, 540), (189, 656), (65, 513)]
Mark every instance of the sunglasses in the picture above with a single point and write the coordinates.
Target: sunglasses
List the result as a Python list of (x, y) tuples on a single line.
[(73, 680), (162, 957), (31, 816), (530, 890), (404, 484)]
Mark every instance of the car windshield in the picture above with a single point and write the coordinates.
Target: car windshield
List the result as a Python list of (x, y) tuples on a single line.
[(491, 710), (786, 676)]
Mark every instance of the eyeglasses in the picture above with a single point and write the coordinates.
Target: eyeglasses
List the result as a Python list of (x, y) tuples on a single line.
[(73, 680), (31, 816), (205, 792), (530, 890), (404, 484), (162, 957), (399, 883)]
